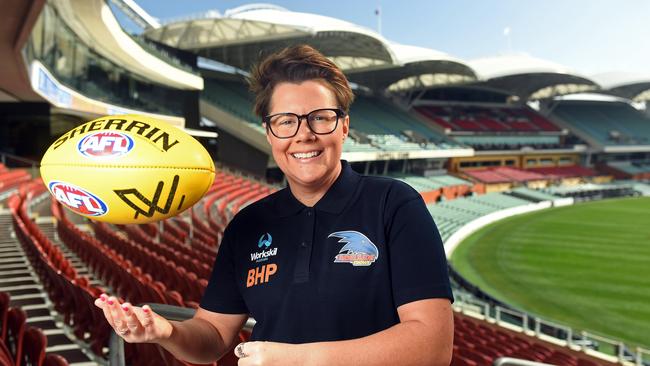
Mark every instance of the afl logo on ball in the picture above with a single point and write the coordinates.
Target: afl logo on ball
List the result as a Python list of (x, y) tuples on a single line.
[(77, 199), (105, 145)]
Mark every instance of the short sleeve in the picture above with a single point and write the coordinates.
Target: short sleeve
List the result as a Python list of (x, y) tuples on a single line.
[(222, 294), (417, 257)]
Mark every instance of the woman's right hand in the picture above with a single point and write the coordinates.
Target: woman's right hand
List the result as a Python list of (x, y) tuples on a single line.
[(134, 324)]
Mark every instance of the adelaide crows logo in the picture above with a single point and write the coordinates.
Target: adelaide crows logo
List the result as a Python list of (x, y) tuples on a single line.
[(358, 249)]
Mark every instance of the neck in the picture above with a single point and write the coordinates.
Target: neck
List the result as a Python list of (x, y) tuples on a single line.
[(310, 195)]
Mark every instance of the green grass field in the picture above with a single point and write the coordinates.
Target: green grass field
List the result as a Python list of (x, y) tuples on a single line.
[(586, 266)]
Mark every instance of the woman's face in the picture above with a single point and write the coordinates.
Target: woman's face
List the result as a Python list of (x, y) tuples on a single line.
[(308, 160)]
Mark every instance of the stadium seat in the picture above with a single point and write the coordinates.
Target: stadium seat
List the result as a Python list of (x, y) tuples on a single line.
[(16, 324), (54, 360), (34, 346), (4, 309), (5, 355)]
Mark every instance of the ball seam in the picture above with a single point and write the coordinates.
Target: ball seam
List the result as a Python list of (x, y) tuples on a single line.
[(126, 166)]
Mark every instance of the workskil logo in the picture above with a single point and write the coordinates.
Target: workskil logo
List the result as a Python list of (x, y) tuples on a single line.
[(358, 249), (264, 242)]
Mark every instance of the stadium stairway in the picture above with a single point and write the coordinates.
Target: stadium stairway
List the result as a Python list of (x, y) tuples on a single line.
[(18, 280)]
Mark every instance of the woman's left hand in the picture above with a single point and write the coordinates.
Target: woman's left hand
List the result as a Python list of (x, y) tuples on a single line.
[(267, 354)]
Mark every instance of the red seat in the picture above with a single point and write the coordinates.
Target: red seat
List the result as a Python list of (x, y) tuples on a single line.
[(462, 361), (54, 360), (34, 347), (15, 332), (585, 362), (5, 355), (4, 308)]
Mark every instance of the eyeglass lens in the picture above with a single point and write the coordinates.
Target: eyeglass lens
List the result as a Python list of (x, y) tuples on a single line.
[(321, 121)]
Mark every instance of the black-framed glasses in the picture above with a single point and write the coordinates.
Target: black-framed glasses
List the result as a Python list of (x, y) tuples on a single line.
[(320, 121)]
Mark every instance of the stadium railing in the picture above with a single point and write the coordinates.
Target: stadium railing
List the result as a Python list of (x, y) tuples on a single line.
[(116, 354), (509, 361), (589, 343)]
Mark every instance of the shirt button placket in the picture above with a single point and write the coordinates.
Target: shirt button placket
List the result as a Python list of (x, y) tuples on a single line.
[(304, 252)]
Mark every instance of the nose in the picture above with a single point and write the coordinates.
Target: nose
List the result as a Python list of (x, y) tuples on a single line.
[(304, 132)]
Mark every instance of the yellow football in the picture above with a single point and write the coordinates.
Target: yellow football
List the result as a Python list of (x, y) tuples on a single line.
[(127, 169)]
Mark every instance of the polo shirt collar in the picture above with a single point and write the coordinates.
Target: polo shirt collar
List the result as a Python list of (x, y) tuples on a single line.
[(334, 200)]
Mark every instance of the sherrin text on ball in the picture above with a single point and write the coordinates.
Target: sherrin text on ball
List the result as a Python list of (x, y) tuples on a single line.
[(127, 169)]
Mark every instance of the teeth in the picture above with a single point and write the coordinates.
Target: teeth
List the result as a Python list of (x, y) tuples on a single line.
[(306, 155)]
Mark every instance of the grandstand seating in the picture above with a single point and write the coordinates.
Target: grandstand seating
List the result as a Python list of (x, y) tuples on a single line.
[(609, 124), (129, 269), (433, 188), (4, 309), (54, 360), (12, 178), (503, 174), (532, 194), (478, 343), (16, 324), (386, 126), (499, 142), (5, 355), (34, 347), (423, 184), (487, 119), (538, 176), (451, 215), (232, 97), (564, 171), (23, 344), (628, 169), (70, 294)]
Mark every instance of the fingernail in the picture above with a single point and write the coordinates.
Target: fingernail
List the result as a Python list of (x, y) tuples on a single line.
[(145, 309), (103, 297), (110, 302), (125, 308)]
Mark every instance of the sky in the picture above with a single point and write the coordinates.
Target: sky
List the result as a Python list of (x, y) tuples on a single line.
[(588, 36)]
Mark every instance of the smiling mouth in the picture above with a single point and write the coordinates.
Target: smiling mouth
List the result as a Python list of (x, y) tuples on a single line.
[(307, 155)]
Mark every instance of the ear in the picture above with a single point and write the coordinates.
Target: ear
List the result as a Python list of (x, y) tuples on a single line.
[(268, 133), (346, 126)]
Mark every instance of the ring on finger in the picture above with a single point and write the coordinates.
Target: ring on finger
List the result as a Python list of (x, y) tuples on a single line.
[(239, 350)]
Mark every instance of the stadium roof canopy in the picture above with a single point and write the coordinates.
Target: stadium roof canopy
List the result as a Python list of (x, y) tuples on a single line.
[(415, 68), (96, 26), (530, 78), (633, 86), (241, 35)]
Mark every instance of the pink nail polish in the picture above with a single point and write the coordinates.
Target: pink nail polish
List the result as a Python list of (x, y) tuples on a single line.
[(125, 308), (110, 302), (146, 310)]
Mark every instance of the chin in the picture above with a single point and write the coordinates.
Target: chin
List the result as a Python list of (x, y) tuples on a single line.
[(308, 179)]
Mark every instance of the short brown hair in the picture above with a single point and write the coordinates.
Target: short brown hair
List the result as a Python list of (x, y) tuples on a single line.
[(297, 64)]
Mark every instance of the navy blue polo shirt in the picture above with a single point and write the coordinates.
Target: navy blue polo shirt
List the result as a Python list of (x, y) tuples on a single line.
[(334, 271)]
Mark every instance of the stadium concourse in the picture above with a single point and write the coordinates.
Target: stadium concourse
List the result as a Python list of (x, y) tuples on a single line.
[(480, 140)]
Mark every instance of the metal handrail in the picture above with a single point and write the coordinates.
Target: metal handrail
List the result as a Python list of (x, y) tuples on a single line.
[(5, 155), (169, 312), (509, 361)]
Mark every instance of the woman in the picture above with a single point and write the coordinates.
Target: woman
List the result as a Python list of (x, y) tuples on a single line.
[(337, 269)]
